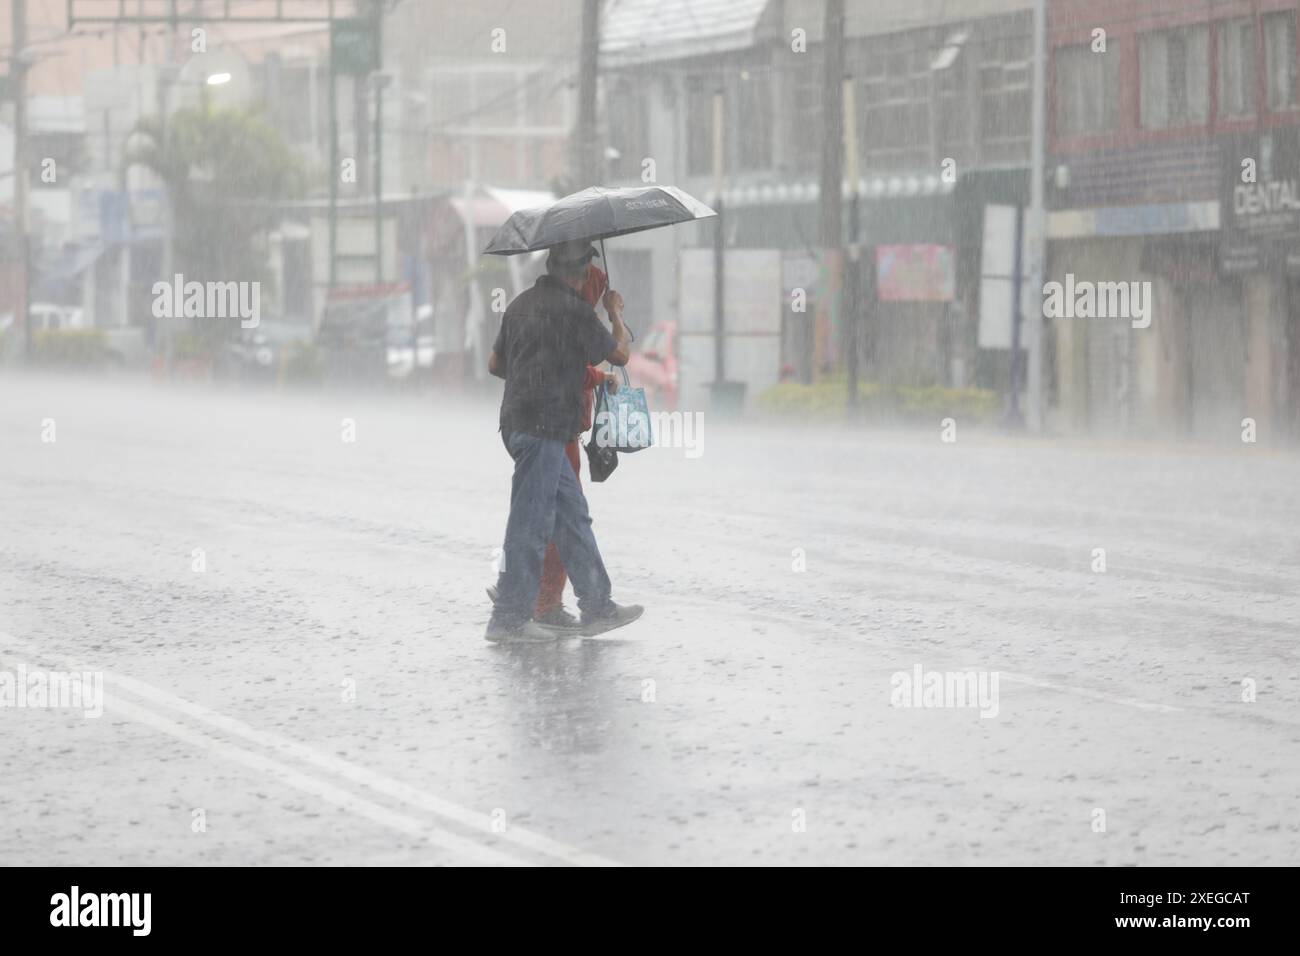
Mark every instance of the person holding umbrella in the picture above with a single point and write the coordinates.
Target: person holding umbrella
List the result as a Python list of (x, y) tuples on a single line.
[(549, 336), (550, 605), (550, 608)]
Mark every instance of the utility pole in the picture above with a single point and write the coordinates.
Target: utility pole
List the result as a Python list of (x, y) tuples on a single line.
[(379, 144), (719, 250), (166, 78), (851, 302), (832, 171), (1037, 219), (360, 130), (585, 161), (334, 171), (1013, 417), (18, 83)]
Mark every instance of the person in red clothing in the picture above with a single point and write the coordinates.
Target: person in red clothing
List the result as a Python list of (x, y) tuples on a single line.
[(550, 609)]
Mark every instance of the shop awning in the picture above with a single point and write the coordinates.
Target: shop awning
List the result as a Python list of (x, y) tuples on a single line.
[(493, 206), (645, 31), (877, 188)]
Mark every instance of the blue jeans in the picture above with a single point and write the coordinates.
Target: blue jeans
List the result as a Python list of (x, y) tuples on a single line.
[(546, 504)]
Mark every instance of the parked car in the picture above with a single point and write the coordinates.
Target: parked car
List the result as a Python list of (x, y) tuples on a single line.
[(259, 354), (369, 334), (653, 365), (48, 317), (405, 350)]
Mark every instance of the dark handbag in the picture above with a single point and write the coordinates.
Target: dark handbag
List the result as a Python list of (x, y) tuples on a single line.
[(601, 462)]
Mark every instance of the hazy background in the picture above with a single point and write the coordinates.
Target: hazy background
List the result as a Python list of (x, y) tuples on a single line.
[(272, 533)]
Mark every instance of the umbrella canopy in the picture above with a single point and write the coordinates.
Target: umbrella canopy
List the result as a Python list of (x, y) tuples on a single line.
[(596, 213)]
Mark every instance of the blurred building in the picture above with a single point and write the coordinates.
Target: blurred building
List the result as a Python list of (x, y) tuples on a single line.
[(479, 113), (97, 227), (1148, 140), (942, 118), (485, 91)]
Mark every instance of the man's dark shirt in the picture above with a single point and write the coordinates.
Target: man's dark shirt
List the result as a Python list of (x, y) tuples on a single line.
[(549, 335)]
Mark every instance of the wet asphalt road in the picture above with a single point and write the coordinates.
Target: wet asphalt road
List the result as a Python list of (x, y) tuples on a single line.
[(321, 693)]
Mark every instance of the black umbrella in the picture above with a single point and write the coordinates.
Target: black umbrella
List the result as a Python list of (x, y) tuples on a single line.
[(596, 213)]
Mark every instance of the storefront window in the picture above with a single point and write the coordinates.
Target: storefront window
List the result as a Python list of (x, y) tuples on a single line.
[(954, 110), (805, 104), (1087, 89), (1175, 77), (1237, 67), (1005, 104), (896, 111), (699, 126), (752, 119), (1279, 47), (625, 110)]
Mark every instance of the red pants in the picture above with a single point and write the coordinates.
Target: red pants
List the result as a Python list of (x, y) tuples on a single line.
[(553, 577)]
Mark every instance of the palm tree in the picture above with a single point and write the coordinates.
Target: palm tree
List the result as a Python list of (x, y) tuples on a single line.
[(225, 172)]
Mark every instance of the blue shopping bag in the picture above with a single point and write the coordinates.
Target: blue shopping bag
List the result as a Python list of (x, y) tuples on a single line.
[(622, 419)]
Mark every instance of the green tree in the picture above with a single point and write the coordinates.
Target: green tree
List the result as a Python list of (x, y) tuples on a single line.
[(225, 172)]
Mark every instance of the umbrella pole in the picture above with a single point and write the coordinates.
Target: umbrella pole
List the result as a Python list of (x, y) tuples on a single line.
[(610, 284)]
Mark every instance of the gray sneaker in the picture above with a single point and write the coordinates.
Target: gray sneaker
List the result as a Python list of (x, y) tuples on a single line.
[(616, 615), (559, 619), (529, 632)]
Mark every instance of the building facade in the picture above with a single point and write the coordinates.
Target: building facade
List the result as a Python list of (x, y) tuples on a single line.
[(1174, 162), (940, 103)]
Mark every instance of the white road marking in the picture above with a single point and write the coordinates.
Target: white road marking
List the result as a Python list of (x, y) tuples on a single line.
[(465, 849), (1086, 692), (292, 749), (362, 775)]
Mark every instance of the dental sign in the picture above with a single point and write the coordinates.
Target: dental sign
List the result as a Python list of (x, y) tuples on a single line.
[(1259, 202), (1259, 205)]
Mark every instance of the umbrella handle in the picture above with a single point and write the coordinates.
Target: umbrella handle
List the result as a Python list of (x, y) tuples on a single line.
[(610, 284)]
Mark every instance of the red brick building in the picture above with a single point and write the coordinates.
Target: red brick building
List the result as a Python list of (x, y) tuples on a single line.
[(1160, 113)]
